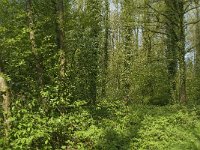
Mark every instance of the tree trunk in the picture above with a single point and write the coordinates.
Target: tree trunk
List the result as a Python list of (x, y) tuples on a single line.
[(172, 47), (197, 41), (147, 47), (59, 26), (197, 53), (105, 53), (94, 15), (176, 48), (33, 43), (60, 35), (182, 64), (38, 65), (128, 29), (4, 93)]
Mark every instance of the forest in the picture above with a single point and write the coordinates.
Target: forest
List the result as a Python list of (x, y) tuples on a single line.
[(100, 74)]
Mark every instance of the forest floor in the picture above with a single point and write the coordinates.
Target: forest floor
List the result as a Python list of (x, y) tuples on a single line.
[(148, 127), (110, 126)]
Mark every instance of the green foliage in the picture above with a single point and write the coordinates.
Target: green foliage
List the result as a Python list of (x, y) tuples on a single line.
[(34, 130), (82, 75), (169, 132), (110, 125)]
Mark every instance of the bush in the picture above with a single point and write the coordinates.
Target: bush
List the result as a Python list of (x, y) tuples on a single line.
[(113, 127), (174, 131)]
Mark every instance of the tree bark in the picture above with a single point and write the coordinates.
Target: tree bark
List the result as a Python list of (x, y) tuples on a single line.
[(171, 51), (147, 47), (106, 44), (60, 35), (33, 43), (94, 15), (38, 65), (128, 29), (4, 93), (197, 53), (176, 48), (182, 64), (197, 41)]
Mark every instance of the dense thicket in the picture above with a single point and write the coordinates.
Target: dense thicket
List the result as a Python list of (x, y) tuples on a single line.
[(70, 70)]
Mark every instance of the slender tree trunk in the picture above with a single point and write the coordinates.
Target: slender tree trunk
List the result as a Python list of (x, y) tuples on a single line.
[(146, 35), (4, 93), (137, 40), (127, 65), (106, 44), (38, 66), (59, 24), (33, 43), (147, 46), (197, 52), (182, 64), (197, 41), (60, 35), (128, 29), (94, 13)]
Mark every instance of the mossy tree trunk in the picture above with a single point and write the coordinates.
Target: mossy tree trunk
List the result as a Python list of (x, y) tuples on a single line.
[(38, 62), (175, 53), (105, 48), (181, 44), (128, 47), (4, 93), (197, 52)]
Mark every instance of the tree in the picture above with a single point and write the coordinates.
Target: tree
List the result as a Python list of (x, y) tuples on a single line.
[(105, 47), (87, 52), (93, 12), (4, 93), (176, 48), (127, 23), (197, 50), (171, 52), (38, 67), (60, 35), (181, 48)]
